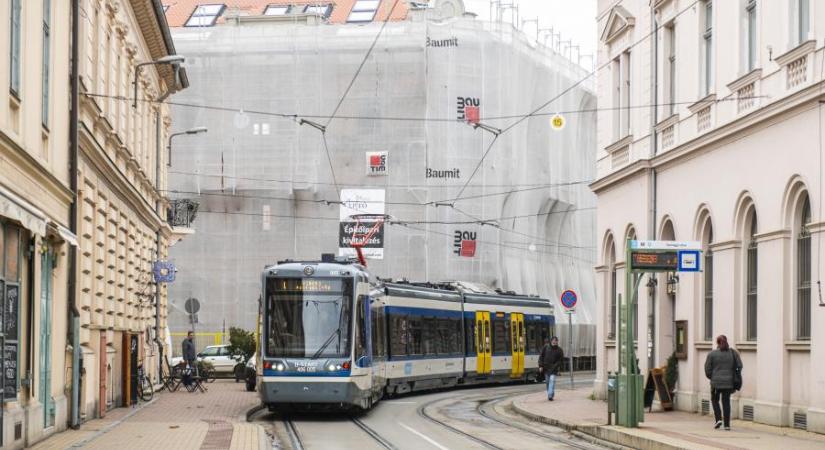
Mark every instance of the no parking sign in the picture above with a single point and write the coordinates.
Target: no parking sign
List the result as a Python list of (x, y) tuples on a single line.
[(568, 300)]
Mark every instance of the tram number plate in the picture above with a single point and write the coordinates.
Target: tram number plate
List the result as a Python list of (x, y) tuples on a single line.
[(306, 369)]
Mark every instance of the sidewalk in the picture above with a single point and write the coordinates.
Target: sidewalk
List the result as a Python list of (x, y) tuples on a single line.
[(179, 420), (574, 411)]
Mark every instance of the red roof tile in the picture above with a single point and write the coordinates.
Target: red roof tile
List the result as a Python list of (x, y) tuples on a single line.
[(179, 11)]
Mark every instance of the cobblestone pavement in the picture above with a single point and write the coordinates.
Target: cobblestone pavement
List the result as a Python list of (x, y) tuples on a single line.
[(178, 420)]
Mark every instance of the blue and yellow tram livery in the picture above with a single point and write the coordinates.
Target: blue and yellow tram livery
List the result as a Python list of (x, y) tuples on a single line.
[(334, 336)]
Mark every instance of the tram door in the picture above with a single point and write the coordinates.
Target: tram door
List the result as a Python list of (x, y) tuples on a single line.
[(483, 349), (517, 343)]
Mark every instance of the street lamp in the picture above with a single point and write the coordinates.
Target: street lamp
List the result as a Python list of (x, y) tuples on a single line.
[(174, 60), (195, 130)]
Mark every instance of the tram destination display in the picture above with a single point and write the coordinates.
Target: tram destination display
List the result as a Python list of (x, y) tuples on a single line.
[(308, 285), (664, 261)]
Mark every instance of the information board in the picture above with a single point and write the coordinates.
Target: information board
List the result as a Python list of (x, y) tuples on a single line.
[(11, 305), (10, 370)]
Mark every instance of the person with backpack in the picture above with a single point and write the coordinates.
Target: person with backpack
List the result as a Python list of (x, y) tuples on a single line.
[(723, 367), (550, 362)]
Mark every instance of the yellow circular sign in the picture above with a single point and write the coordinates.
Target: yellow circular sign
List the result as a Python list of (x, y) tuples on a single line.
[(557, 122)]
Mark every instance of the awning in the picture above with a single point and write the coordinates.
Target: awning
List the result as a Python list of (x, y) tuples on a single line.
[(16, 208), (64, 233)]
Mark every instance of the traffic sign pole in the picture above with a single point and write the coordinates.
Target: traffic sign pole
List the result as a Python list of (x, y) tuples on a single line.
[(569, 300), (570, 349)]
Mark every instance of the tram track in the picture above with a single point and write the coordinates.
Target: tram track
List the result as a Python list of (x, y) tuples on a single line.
[(372, 433)]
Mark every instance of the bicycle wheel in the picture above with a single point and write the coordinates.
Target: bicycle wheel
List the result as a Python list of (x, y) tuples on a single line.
[(146, 390), (210, 376)]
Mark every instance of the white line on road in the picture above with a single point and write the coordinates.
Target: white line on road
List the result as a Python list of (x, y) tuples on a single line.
[(400, 403), (425, 437)]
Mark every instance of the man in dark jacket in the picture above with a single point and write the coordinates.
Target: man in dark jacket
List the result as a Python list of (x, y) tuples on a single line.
[(722, 367), (550, 362), (189, 355)]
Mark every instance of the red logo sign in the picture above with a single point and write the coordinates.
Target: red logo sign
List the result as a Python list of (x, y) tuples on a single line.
[(468, 248), (472, 113)]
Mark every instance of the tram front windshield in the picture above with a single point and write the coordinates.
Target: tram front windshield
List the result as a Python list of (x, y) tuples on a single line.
[(308, 317)]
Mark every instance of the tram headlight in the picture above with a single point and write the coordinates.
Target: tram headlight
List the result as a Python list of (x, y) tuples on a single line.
[(279, 367), (331, 367)]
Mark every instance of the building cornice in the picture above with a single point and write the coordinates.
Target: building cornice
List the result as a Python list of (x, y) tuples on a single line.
[(673, 119), (796, 52), (773, 235), (816, 227), (39, 172), (702, 104), (601, 269), (744, 80), (725, 245), (620, 144), (619, 22), (614, 178)]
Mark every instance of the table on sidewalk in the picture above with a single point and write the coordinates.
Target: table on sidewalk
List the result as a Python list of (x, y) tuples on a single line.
[(574, 410)]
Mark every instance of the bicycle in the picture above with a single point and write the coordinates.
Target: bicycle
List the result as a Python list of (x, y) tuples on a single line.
[(145, 389)]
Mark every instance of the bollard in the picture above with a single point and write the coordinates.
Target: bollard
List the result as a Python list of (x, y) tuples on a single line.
[(612, 398)]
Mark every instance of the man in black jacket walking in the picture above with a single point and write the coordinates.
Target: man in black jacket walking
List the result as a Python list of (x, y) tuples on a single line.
[(550, 362)]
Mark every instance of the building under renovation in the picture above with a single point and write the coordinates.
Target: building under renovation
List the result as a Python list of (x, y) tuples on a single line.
[(434, 131)]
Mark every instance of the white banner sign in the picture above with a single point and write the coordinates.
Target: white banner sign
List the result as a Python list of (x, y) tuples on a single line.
[(361, 201)]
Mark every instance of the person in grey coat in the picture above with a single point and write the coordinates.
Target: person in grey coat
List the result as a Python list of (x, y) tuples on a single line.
[(723, 368)]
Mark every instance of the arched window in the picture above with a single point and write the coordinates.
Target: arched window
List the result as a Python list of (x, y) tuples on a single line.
[(707, 239), (752, 280), (803, 273), (611, 264)]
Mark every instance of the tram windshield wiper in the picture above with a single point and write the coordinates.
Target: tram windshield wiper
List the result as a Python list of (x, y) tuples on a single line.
[(327, 342)]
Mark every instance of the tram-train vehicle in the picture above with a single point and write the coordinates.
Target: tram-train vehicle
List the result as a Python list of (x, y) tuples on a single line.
[(335, 336)]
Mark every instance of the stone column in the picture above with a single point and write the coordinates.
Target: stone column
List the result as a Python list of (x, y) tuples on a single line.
[(816, 404), (772, 318), (602, 326)]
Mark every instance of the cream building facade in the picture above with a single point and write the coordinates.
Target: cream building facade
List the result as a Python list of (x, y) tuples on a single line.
[(710, 130), (35, 200), (122, 227)]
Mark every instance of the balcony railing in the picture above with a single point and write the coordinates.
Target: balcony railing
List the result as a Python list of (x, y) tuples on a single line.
[(182, 212)]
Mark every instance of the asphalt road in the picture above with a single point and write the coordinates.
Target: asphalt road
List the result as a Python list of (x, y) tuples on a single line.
[(471, 418)]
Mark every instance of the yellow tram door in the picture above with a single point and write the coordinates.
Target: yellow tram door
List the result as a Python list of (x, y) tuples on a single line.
[(483, 351), (517, 343)]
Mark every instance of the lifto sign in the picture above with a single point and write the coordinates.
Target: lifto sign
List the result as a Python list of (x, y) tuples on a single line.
[(569, 300)]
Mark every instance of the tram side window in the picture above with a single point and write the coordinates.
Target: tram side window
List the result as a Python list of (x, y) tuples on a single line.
[(361, 327), (377, 319), (399, 336), (470, 336), (500, 337), (416, 334)]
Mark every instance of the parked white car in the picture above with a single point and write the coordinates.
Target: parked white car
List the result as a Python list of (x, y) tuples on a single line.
[(217, 355)]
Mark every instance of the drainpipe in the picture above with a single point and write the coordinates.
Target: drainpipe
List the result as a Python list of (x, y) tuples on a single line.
[(74, 313), (653, 175)]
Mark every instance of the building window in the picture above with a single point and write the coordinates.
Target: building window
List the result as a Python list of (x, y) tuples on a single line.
[(363, 11), (205, 15), (14, 48), (611, 333), (621, 96), (670, 73), (708, 284), (707, 50), (275, 10), (46, 57), (752, 281), (322, 10), (750, 34), (803, 270), (801, 18)]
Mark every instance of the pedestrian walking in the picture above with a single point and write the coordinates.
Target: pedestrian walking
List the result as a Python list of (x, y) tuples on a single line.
[(723, 367), (189, 356), (550, 362)]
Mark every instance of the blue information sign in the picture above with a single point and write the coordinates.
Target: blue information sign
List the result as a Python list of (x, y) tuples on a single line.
[(569, 299)]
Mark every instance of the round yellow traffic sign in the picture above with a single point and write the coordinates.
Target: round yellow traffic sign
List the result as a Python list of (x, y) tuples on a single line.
[(557, 122)]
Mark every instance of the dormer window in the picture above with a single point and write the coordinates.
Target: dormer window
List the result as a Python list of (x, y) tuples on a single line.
[(205, 15), (363, 11)]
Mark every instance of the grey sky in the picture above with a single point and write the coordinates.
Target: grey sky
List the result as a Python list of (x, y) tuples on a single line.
[(575, 20)]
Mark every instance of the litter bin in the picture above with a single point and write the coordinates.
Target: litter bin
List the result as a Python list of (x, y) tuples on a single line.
[(612, 396)]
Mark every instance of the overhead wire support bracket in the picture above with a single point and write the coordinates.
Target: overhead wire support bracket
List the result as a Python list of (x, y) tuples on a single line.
[(492, 130), (316, 125)]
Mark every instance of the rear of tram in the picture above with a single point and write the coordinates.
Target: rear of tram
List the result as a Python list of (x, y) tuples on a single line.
[(310, 334)]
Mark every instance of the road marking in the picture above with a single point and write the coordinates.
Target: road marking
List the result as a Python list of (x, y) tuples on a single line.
[(400, 403), (425, 437)]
